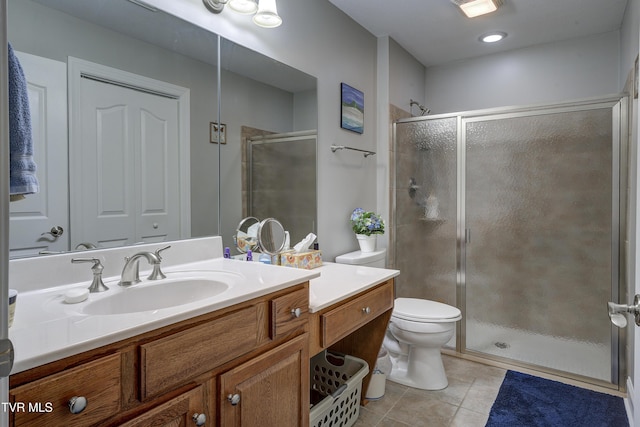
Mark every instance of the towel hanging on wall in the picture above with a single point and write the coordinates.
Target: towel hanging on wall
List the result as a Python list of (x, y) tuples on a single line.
[(22, 167)]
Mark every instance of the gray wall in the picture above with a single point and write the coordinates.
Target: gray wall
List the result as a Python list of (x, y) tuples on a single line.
[(333, 48), (574, 69)]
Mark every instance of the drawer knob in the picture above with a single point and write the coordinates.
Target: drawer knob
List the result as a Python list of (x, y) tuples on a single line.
[(296, 312), (366, 310), (199, 419), (77, 404), (234, 399)]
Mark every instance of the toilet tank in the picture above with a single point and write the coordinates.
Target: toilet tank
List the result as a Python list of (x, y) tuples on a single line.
[(370, 259)]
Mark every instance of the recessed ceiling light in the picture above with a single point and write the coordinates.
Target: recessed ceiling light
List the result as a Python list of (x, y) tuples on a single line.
[(493, 37)]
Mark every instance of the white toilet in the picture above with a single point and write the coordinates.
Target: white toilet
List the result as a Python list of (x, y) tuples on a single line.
[(370, 259), (417, 331)]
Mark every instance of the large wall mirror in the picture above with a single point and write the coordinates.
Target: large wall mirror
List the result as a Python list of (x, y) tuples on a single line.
[(128, 138)]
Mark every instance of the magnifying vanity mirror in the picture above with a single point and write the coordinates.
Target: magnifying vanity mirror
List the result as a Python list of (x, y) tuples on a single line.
[(271, 236), (267, 236), (246, 236), (158, 169)]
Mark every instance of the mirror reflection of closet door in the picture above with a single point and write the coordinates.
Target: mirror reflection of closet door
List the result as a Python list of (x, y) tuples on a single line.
[(129, 166), (35, 215)]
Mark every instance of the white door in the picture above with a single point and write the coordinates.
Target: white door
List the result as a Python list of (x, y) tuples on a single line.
[(129, 166), (33, 218)]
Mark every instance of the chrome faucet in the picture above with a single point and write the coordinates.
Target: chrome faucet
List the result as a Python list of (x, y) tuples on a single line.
[(131, 269), (96, 285)]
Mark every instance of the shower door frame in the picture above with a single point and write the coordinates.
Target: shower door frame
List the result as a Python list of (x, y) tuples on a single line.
[(618, 106)]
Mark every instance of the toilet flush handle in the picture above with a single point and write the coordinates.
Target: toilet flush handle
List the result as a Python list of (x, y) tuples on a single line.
[(616, 312)]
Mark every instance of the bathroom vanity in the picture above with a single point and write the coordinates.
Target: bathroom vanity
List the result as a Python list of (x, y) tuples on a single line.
[(237, 358)]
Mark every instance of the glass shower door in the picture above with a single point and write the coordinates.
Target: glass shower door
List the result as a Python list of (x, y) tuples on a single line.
[(540, 208), (425, 221)]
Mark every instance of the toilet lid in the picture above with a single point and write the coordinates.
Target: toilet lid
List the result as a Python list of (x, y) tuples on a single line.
[(421, 309)]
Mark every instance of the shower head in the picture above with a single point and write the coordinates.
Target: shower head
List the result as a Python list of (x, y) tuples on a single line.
[(423, 110)]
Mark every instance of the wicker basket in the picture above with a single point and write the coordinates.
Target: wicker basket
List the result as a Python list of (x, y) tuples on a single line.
[(336, 385)]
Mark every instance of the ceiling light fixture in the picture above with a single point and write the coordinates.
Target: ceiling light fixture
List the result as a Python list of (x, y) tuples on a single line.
[(264, 11), (473, 8), (492, 37)]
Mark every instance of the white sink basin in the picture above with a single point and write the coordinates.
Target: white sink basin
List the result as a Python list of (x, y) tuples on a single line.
[(177, 289)]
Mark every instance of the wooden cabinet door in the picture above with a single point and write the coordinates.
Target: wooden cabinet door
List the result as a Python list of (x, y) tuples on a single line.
[(269, 390), (177, 412)]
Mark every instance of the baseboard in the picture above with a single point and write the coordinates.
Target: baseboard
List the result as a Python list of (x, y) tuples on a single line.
[(628, 401)]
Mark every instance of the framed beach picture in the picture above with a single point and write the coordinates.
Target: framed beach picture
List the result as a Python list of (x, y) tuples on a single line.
[(352, 109)]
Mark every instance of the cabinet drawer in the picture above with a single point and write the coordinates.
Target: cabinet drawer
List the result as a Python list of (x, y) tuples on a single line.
[(289, 312), (172, 361), (46, 400), (341, 321)]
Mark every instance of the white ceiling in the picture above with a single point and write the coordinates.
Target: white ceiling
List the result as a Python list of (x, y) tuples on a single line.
[(435, 32)]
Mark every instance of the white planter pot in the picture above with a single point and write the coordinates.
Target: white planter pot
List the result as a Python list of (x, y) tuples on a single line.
[(367, 243)]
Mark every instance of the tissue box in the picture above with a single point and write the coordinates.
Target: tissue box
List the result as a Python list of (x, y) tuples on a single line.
[(306, 260)]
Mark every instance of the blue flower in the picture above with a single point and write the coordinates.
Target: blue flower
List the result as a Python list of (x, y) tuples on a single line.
[(367, 223)]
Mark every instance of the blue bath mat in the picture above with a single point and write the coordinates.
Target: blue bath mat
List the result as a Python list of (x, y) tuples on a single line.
[(525, 400)]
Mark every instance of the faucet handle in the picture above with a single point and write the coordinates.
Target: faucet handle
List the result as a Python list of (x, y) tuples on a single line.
[(157, 252), (97, 285), (157, 274)]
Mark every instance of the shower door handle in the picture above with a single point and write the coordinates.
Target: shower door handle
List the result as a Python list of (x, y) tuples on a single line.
[(467, 235)]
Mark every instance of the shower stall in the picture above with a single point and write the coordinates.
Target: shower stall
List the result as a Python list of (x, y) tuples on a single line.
[(516, 216), (281, 180)]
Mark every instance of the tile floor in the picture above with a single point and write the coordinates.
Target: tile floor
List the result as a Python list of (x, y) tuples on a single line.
[(465, 403)]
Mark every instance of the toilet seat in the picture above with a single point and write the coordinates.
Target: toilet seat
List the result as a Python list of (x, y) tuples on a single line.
[(425, 311)]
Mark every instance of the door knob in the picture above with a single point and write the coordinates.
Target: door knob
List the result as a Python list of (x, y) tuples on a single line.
[(616, 312), (56, 231)]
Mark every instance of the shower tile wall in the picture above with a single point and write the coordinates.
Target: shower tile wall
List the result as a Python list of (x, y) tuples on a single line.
[(425, 244)]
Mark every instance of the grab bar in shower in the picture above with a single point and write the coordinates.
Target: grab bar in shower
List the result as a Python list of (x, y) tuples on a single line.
[(367, 153)]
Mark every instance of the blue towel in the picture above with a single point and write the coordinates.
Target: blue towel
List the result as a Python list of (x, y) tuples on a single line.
[(21, 165)]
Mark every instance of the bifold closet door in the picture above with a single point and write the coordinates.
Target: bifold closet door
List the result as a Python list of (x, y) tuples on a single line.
[(540, 225)]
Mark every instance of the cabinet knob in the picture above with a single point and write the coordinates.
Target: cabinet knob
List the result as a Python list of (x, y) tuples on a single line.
[(234, 399), (366, 310), (296, 312), (199, 419), (77, 404)]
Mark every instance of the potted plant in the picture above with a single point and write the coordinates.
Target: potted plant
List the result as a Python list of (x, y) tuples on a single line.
[(367, 225)]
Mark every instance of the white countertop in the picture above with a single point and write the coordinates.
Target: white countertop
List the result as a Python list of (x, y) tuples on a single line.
[(45, 328), (340, 281)]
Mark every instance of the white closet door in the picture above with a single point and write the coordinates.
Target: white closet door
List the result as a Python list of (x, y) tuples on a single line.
[(39, 213), (129, 166)]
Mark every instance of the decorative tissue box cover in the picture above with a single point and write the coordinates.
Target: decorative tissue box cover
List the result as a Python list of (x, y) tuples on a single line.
[(306, 260)]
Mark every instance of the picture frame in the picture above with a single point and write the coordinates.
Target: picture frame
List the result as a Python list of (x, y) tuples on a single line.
[(351, 108), (213, 133)]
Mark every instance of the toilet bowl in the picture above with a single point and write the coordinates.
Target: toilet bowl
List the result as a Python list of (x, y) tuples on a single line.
[(417, 331)]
